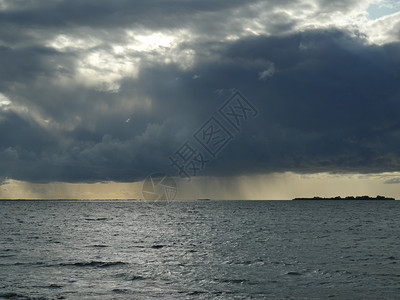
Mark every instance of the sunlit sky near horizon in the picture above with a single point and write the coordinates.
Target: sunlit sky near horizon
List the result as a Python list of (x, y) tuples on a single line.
[(97, 95)]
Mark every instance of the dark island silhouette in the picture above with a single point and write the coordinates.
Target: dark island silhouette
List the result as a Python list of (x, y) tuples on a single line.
[(347, 198)]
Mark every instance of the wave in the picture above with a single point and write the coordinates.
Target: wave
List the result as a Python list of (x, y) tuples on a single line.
[(196, 293), (24, 264), (235, 281), (96, 264), (96, 219), (130, 277), (293, 273), (55, 286), (16, 296), (122, 291)]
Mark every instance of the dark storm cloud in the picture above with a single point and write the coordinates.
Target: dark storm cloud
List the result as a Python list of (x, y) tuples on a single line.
[(332, 105), (25, 64), (153, 14), (40, 21), (328, 100)]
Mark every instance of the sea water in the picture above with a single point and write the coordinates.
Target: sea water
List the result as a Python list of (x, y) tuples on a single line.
[(199, 250)]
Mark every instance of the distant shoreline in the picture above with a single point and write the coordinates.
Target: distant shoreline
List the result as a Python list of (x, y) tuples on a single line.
[(338, 198)]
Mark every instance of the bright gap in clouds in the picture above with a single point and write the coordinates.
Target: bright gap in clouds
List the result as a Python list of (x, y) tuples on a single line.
[(278, 186), (383, 8), (288, 185), (149, 42), (104, 64), (4, 101)]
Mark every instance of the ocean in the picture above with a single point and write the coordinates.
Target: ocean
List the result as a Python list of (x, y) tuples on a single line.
[(199, 250)]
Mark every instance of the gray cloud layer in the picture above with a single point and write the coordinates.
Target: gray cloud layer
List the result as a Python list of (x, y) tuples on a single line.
[(328, 99)]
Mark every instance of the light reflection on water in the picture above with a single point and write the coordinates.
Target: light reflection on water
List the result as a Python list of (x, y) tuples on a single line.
[(199, 249)]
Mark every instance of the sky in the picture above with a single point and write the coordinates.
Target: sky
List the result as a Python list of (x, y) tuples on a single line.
[(97, 95)]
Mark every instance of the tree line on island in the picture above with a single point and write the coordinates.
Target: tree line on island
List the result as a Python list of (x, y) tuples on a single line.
[(347, 198)]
